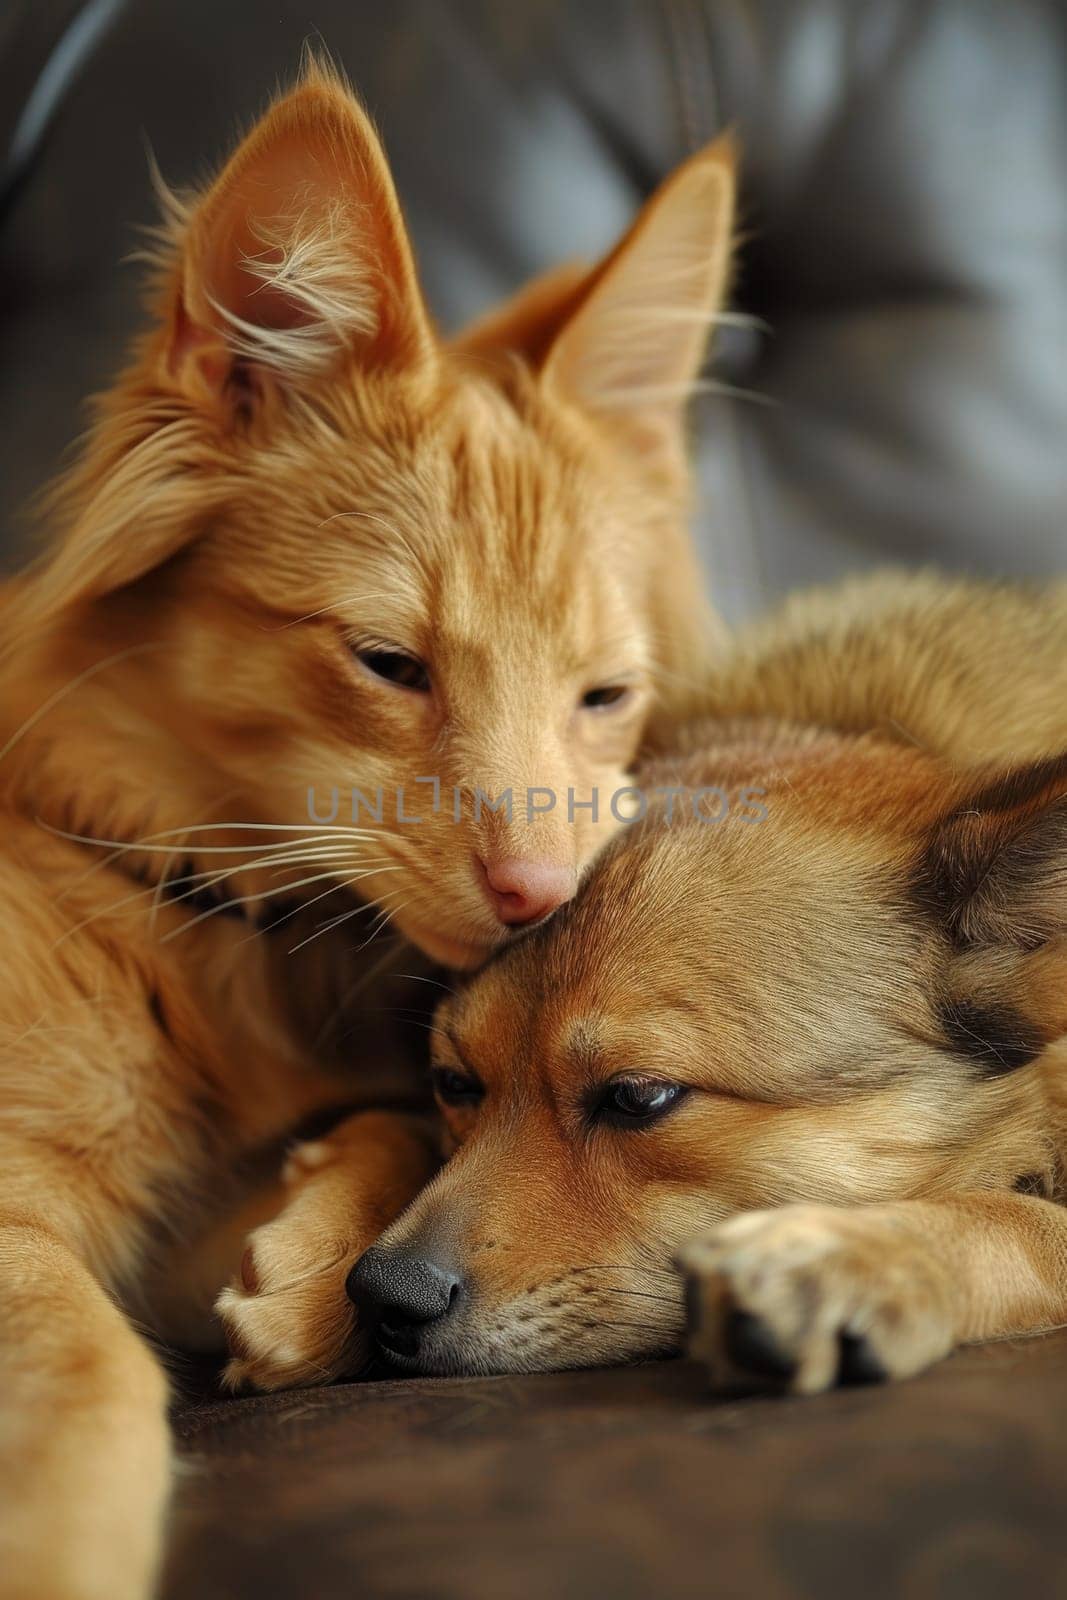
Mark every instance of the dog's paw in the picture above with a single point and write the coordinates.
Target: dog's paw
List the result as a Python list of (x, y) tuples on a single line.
[(287, 1318), (807, 1297)]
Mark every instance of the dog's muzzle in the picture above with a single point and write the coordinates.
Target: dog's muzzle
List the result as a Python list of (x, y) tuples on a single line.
[(402, 1298)]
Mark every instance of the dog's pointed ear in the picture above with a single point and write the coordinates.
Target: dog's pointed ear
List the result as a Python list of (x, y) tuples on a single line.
[(296, 257), (631, 351), (994, 871)]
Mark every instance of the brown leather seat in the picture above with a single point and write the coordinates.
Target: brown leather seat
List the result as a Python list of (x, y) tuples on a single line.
[(632, 1485)]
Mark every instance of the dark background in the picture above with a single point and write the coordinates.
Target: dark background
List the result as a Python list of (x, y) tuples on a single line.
[(904, 209)]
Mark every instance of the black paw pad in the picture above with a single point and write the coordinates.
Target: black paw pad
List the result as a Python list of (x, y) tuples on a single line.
[(858, 1362), (752, 1347)]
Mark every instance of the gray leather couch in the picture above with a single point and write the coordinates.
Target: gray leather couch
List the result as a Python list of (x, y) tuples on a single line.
[(902, 392)]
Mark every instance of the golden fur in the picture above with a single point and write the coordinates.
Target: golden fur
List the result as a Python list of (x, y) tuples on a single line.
[(294, 480), (863, 998)]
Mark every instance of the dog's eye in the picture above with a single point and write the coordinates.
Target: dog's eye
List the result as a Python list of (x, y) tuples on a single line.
[(630, 1102), (605, 698), (456, 1088), (396, 667)]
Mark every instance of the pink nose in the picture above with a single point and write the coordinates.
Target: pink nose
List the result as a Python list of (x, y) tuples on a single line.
[(522, 890)]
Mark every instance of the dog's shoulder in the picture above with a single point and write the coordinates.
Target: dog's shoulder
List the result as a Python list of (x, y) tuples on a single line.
[(972, 671)]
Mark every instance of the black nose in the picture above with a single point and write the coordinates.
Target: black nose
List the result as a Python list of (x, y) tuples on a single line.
[(399, 1293)]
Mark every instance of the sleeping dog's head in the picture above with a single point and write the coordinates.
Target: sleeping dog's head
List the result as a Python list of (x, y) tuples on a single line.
[(845, 1003)]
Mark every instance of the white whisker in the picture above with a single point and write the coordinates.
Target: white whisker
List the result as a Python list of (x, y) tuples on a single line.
[(415, 977), (342, 883), (265, 894), (346, 600), (121, 846), (390, 528), (336, 922), (206, 881)]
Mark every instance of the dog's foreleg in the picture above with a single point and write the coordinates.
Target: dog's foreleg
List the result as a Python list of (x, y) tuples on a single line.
[(287, 1318), (808, 1296)]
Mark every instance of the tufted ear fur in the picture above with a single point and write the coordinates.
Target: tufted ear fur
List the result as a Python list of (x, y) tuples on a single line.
[(296, 256), (995, 870), (294, 262)]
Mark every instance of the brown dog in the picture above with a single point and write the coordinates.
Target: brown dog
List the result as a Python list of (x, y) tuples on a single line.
[(309, 547), (842, 1016)]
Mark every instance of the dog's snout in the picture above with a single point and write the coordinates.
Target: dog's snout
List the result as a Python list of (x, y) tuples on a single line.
[(398, 1293)]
